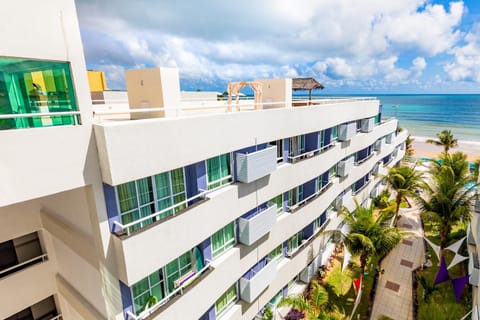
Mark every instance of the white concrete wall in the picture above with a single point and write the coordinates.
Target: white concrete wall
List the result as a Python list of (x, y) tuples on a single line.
[(173, 143), (230, 202)]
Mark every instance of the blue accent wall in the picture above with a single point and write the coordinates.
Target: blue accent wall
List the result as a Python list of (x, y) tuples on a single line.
[(325, 178), (309, 188), (284, 248), (327, 137), (206, 248), (323, 217), (111, 203), (285, 201), (308, 231), (285, 291), (127, 302), (209, 315), (311, 141), (196, 178), (286, 146), (256, 268)]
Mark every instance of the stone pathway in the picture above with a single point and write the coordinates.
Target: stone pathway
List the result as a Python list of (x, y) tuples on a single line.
[(393, 297)]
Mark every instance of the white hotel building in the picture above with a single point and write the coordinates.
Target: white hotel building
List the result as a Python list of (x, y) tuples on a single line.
[(216, 214)]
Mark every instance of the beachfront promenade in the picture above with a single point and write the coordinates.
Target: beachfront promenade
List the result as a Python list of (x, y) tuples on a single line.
[(393, 297)]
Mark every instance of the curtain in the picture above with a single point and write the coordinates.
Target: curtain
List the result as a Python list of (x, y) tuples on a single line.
[(127, 196)]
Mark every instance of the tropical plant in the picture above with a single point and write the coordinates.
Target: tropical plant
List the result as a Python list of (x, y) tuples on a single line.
[(367, 236), (445, 139), (404, 180), (476, 169), (151, 301), (440, 311), (409, 150), (313, 307), (267, 314), (428, 288), (446, 200), (456, 161)]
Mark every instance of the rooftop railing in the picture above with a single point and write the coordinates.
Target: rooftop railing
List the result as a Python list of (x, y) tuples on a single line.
[(23, 265), (118, 108)]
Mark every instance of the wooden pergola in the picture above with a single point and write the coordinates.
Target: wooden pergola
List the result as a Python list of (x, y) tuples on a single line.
[(306, 84)]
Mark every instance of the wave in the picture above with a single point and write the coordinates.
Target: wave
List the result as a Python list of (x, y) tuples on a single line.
[(460, 142)]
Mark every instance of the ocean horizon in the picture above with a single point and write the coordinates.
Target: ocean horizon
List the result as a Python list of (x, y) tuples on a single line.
[(424, 115)]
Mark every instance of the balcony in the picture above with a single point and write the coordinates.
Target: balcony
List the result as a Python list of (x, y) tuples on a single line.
[(346, 131), (252, 229), (376, 169), (476, 206), (307, 274), (251, 288), (345, 166), (343, 200), (379, 144), (389, 138), (374, 192), (255, 165), (474, 269), (367, 125), (395, 152)]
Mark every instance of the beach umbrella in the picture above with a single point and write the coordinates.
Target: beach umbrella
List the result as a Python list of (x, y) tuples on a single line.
[(306, 84)]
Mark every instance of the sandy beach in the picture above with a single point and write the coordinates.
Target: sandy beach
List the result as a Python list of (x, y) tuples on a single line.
[(423, 149)]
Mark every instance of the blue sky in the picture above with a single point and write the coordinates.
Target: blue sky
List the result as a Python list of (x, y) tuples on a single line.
[(368, 46)]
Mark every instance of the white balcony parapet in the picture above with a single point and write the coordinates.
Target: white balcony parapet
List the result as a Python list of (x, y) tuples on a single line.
[(255, 165), (18, 267), (346, 131), (476, 205), (378, 146), (376, 169), (374, 192), (250, 230), (367, 125), (306, 275), (345, 166), (343, 201), (474, 276), (250, 289), (147, 312), (126, 227), (57, 317)]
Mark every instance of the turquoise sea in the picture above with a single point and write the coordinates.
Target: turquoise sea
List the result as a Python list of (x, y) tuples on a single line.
[(425, 115)]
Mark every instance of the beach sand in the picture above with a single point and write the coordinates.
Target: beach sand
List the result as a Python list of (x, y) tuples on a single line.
[(423, 149)]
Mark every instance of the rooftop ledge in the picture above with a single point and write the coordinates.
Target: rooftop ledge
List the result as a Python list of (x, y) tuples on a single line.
[(120, 110)]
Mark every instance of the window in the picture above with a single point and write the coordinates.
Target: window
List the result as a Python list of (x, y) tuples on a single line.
[(296, 146), (146, 288), (226, 300), (279, 144), (143, 197), (36, 86), (276, 299), (177, 269), (320, 221), (218, 171), (223, 239), (278, 200), (334, 133), (161, 282), (377, 118), (321, 139), (277, 252), (295, 195), (295, 241), (332, 172)]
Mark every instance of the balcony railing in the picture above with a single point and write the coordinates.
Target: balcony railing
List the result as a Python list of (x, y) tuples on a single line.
[(359, 162), (310, 153), (255, 165), (75, 116), (252, 229), (126, 228), (23, 265), (299, 204), (178, 291)]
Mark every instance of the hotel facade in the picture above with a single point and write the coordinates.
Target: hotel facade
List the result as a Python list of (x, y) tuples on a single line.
[(163, 208)]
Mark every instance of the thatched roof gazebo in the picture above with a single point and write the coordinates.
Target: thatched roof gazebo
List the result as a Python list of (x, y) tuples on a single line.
[(306, 84)]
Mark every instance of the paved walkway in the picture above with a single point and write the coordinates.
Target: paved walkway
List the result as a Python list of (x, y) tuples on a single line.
[(393, 297)]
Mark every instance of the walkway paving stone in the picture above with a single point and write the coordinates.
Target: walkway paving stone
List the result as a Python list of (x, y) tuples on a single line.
[(393, 296)]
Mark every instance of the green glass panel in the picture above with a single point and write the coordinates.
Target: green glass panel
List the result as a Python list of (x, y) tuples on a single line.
[(127, 196), (32, 86), (145, 192), (162, 185), (178, 181), (154, 278), (335, 132), (140, 287)]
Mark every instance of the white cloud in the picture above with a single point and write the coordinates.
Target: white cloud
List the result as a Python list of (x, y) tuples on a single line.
[(466, 63), (333, 39)]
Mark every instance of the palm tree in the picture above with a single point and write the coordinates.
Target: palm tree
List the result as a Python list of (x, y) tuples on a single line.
[(456, 161), (404, 180), (409, 150), (367, 235), (313, 307), (445, 139), (446, 200), (476, 169)]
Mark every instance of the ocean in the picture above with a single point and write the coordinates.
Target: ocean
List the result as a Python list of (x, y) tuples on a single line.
[(426, 115)]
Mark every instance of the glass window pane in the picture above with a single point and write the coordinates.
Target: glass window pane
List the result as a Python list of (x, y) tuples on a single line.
[(127, 196), (145, 192), (178, 182), (162, 185)]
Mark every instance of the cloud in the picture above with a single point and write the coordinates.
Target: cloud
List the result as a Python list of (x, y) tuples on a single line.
[(212, 40), (466, 63)]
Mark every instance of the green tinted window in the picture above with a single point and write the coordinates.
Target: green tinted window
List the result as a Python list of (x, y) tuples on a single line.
[(223, 239), (218, 171), (35, 86)]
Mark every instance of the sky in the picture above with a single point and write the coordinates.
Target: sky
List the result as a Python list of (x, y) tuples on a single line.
[(350, 46)]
